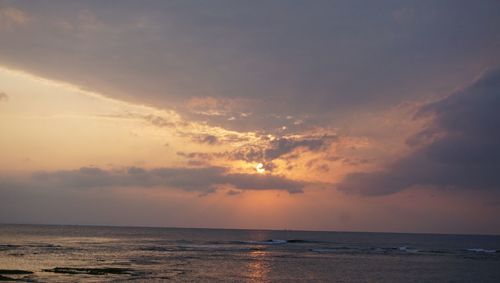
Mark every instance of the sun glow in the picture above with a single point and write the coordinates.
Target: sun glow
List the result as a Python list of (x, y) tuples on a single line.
[(260, 168)]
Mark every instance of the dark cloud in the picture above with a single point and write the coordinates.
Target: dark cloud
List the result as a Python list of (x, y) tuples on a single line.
[(3, 96), (264, 182), (459, 148), (282, 147), (285, 145), (212, 139), (201, 156), (233, 193), (205, 139), (293, 57), (203, 179), (249, 153), (317, 165)]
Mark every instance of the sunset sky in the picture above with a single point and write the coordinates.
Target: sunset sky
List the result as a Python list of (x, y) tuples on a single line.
[(316, 115)]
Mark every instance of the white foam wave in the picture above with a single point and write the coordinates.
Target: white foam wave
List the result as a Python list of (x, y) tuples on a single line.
[(482, 251)]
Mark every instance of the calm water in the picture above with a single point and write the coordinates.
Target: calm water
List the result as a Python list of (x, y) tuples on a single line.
[(96, 254)]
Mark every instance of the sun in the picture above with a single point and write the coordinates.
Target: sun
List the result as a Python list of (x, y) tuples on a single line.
[(260, 168)]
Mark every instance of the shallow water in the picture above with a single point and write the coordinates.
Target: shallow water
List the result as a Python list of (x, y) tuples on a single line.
[(97, 254)]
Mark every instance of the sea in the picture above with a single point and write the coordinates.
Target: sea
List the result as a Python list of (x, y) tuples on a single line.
[(50, 253)]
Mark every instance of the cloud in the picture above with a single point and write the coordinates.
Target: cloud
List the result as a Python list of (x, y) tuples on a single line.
[(3, 96), (205, 139), (276, 148), (166, 120), (206, 156), (459, 148), (322, 59), (282, 146), (266, 151), (196, 132), (233, 193), (158, 121), (11, 17), (203, 179)]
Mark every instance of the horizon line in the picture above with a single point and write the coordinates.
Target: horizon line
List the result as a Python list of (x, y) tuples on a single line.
[(248, 229)]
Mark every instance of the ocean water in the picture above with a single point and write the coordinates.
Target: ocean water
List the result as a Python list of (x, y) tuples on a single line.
[(36, 253)]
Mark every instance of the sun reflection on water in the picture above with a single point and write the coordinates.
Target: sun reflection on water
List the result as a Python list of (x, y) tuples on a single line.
[(258, 266)]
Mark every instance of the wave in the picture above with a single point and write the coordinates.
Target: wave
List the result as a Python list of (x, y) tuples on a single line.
[(477, 250), (197, 248), (324, 250), (277, 242), (404, 250), (375, 250), (408, 249), (267, 242), (299, 241)]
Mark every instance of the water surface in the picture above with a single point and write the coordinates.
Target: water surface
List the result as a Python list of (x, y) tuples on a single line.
[(43, 253)]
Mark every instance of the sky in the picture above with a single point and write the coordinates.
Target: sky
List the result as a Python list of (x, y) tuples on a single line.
[(307, 115)]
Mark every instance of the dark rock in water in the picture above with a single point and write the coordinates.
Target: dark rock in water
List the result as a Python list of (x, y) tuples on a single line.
[(4, 278), (297, 241), (8, 247), (91, 271), (14, 271), (437, 251)]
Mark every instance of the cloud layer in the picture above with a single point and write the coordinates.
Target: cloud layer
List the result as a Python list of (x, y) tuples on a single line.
[(254, 59), (204, 180), (459, 148)]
